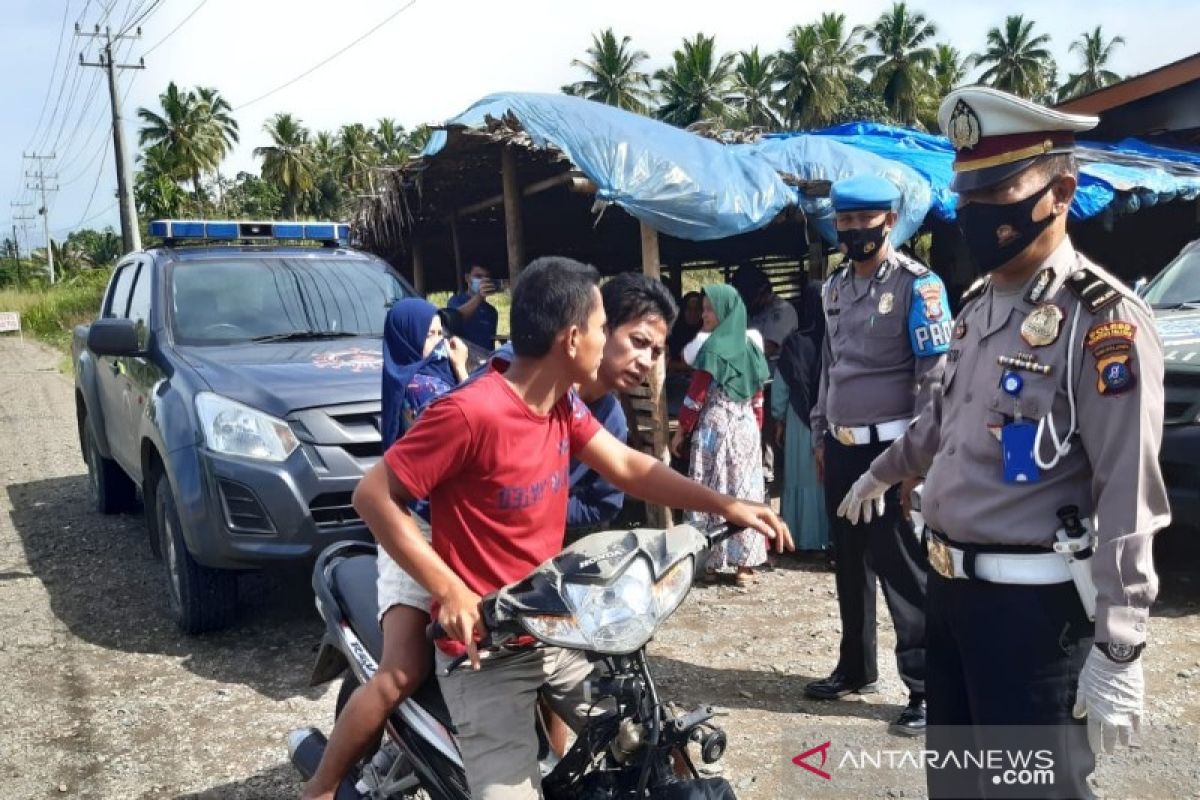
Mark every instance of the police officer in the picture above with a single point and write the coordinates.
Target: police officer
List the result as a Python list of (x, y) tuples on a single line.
[(888, 324), (1048, 423)]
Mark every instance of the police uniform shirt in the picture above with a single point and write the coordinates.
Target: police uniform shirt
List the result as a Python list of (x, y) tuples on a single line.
[(1111, 471), (885, 339)]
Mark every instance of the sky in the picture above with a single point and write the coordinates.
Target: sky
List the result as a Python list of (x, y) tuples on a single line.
[(423, 65)]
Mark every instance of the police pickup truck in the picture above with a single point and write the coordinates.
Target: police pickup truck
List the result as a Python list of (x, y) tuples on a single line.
[(1174, 294), (233, 380)]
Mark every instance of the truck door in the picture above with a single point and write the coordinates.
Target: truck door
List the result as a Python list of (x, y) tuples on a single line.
[(139, 372), (110, 370)]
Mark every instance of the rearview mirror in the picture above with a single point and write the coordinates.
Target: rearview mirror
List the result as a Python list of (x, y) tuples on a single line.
[(113, 337)]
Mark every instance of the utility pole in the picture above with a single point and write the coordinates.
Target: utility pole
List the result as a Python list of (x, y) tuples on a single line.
[(23, 219), (41, 187), (131, 236)]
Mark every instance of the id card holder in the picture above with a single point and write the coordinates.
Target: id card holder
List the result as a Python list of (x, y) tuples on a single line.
[(1017, 442)]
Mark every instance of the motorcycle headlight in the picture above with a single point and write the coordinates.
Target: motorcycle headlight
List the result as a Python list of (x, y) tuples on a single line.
[(238, 430), (618, 617)]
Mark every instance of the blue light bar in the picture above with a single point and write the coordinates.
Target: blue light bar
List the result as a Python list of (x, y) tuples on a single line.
[(232, 230)]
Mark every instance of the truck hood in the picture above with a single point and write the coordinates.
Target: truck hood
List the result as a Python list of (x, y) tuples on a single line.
[(1180, 333), (281, 377)]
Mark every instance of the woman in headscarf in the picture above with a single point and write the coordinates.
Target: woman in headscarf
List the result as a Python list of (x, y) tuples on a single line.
[(419, 365), (793, 393), (723, 415)]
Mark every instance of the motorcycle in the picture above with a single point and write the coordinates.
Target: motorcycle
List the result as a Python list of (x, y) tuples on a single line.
[(604, 595)]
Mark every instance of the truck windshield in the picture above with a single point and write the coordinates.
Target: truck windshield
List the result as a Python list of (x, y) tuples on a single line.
[(274, 298), (1179, 283)]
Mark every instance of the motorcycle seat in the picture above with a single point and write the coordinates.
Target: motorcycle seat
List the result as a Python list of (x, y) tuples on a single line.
[(353, 586)]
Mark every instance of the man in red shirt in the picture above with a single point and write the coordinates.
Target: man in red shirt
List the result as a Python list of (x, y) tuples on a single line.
[(493, 458)]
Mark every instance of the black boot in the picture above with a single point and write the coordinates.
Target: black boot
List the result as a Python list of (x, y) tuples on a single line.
[(911, 721), (836, 686)]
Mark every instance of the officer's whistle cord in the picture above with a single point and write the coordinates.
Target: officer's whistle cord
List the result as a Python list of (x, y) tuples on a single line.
[(1061, 446)]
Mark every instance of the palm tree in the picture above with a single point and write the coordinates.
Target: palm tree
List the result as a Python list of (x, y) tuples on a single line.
[(325, 198), (1095, 53), (693, 87), (156, 185), (1019, 61), (807, 96), (287, 161), (186, 133), (391, 142), (949, 68), (613, 74), (752, 90), (219, 126), (356, 157), (901, 67)]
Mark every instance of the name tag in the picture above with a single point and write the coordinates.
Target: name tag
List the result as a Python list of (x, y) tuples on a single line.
[(1017, 442)]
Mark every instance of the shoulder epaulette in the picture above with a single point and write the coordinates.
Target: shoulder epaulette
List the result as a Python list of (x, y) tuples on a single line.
[(975, 289), (916, 268), (1093, 290)]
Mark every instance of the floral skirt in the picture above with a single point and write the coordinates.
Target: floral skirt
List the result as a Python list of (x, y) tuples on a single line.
[(727, 458)]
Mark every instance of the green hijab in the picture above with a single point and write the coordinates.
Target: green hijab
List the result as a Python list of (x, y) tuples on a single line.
[(734, 361)]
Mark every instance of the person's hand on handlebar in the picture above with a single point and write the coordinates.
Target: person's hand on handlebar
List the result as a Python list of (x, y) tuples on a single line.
[(763, 519), (460, 616)]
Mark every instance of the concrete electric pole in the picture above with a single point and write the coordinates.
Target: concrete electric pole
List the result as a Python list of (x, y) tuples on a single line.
[(131, 236), (41, 177)]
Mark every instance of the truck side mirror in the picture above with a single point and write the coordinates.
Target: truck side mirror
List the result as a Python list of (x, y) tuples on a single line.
[(113, 337), (1139, 286)]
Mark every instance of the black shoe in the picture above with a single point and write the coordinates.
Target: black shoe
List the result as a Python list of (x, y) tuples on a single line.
[(836, 687), (911, 721)]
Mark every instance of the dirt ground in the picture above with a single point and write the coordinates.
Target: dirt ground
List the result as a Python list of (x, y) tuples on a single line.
[(101, 697)]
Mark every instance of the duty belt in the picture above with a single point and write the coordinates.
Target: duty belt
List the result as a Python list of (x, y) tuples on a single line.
[(997, 564), (866, 434)]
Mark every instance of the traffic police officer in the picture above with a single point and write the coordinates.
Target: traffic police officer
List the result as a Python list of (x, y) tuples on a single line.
[(1048, 425), (888, 326)]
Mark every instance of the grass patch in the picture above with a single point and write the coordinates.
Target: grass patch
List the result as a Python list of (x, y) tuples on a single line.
[(50, 313)]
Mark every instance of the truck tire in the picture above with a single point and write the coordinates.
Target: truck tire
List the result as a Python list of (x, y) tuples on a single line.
[(112, 490), (200, 598)]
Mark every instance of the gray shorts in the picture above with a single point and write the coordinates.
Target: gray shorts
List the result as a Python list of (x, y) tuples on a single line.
[(395, 587), (493, 711)]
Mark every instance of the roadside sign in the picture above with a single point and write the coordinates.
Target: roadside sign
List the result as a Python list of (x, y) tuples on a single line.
[(11, 321)]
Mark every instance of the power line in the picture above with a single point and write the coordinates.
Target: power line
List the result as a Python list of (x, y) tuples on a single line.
[(128, 27), (53, 71), (96, 185), (183, 22), (320, 64), (83, 222)]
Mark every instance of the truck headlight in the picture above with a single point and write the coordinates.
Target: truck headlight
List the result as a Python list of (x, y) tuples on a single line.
[(617, 617), (239, 430)]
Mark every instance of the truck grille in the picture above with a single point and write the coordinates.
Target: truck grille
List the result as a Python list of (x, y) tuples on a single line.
[(333, 510), (243, 512), (341, 441)]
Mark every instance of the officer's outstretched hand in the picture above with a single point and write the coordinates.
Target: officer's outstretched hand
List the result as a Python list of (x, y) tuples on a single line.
[(864, 500), (1111, 696)]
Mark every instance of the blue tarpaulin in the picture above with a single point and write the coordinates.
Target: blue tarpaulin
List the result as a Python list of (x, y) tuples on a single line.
[(692, 187)]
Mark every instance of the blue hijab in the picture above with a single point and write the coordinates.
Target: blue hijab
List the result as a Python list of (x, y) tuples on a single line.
[(404, 335)]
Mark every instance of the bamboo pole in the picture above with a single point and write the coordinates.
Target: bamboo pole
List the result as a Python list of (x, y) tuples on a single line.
[(459, 277), (656, 516), (418, 267)]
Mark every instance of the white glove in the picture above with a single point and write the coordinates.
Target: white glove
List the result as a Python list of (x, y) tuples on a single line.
[(1110, 695), (865, 496)]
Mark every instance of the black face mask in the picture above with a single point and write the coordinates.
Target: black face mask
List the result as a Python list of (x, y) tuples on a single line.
[(995, 234), (862, 244)]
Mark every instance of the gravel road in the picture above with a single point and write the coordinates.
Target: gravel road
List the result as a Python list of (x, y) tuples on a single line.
[(100, 697)]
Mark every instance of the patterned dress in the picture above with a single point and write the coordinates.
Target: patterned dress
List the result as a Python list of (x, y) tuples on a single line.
[(727, 458)]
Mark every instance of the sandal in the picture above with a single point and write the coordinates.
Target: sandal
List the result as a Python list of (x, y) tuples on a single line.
[(744, 579)]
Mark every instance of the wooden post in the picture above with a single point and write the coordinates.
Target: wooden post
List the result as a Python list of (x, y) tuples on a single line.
[(418, 267), (657, 516), (513, 227), (459, 278)]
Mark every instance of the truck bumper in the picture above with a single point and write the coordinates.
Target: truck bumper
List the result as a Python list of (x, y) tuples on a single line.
[(1180, 459), (239, 513)]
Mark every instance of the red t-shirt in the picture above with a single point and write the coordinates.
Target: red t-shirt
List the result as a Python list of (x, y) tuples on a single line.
[(495, 474)]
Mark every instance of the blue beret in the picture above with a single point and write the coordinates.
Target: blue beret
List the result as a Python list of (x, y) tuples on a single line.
[(864, 193)]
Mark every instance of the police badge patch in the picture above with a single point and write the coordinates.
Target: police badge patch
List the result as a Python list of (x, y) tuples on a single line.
[(886, 301), (1111, 344), (964, 130), (1042, 326)]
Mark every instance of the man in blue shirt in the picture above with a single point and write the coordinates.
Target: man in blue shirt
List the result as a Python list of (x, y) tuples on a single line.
[(479, 317)]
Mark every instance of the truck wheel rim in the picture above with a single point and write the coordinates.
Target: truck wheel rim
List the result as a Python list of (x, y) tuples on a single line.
[(172, 562)]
